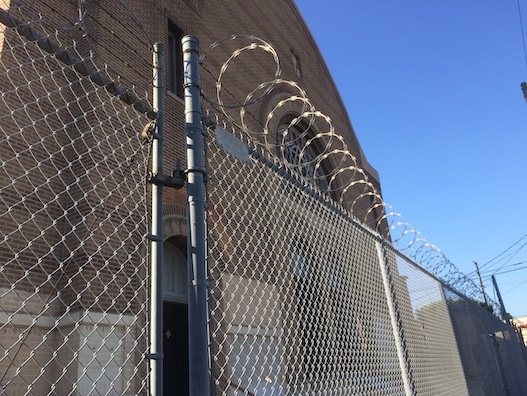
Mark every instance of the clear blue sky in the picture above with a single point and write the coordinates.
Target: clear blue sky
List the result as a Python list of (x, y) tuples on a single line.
[(432, 89)]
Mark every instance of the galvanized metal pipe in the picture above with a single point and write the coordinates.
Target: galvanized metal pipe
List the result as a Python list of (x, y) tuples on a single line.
[(409, 388), (199, 361), (156, 235)]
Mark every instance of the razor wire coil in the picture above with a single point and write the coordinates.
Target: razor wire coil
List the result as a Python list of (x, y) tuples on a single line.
[(297, 303)]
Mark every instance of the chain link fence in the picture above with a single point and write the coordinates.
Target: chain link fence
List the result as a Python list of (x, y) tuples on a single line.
[(316, 286), (73, 211), (305, 300), (492, 353)]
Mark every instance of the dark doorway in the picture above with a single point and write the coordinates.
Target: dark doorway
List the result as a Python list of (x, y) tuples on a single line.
[(175, 345)]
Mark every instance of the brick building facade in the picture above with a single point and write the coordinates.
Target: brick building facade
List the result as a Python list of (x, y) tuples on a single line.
[(103, 294)]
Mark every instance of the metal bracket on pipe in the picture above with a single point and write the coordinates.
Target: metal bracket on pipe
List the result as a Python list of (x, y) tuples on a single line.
[(155, 356), (198, 170), (198, 283), (177, 180), (156, 238)]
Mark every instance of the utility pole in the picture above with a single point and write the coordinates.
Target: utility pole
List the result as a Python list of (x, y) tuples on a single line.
[(506, 318), (504, 314), (481, 284)]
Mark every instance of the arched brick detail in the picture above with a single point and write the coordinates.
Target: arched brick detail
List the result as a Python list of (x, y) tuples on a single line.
[(174, 225)]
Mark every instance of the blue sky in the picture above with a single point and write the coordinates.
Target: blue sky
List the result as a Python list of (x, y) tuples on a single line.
[(432, 89)]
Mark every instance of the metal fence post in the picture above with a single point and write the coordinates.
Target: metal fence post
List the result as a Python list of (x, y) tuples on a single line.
[(156, 234), (396, 325), (199, 370)]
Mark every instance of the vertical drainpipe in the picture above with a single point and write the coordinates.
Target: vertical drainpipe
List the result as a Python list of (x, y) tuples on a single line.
[(199, 362), (156, 234)]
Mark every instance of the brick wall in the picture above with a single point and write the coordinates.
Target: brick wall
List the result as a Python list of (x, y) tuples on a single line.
[(66, 194)]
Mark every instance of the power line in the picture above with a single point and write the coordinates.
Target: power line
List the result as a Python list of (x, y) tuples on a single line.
[(505, 251), (511, 270), (523, 84), (518, 285), (507, 260), (470, 274), (522, 30)]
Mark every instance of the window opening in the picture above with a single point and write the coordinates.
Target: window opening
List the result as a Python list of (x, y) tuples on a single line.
[(175, 60), (174, 273), (296, 65), (301, 156)]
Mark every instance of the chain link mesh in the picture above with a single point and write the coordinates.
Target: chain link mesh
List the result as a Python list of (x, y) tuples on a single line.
[(73, 279), (298, 303), (434, 360), (308, 296), (317, 286), (493, 360)]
